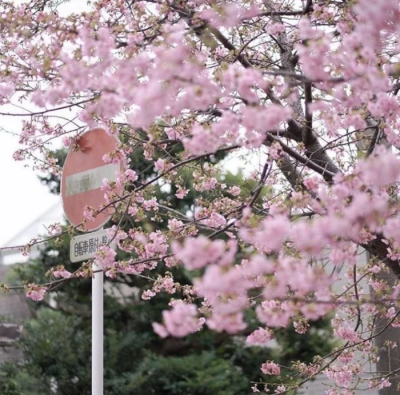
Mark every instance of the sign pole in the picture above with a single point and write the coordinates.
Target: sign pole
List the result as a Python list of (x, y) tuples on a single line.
[(97, 331), (82, 177)]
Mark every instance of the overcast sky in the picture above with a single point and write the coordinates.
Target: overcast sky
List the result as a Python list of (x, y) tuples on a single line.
[(22, 196)]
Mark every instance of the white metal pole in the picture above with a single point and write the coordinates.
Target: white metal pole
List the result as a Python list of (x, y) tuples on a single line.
[(97, 331)]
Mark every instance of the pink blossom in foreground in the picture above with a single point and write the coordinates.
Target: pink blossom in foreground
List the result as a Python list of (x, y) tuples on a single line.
[(207, 185), (148, 294), (270, 235), (181, 193), (156, 245), (198, 252), (165, 284), (235, 190), (116, 234), (132, 210), (376, 384), (54, 229), (35, 292), (159, 165), (215, 221), (382, 169), (270, 368), (259, 337), (89, 213), (175, 225), (347, 334), (160, 330), (318, 172), (180, 321), (105, 257), (342, 375), (230, 323), (150, 204), (131, 175), (280, 389), (274, 314), (62, 273)]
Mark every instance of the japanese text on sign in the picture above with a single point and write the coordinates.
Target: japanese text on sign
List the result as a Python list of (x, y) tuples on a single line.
[(89, 246), (85, 247)]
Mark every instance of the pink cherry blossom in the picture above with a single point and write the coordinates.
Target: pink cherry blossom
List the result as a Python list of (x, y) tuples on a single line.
[(131, 175), (275, 124), (198, 252), (62, 273), (270, 368), (347, 334), (160, 165), (150, 204), (232, 323), (180, 321), (274, 314), (160, 329), (235, 190), (105, 257), (259, 337), (181, 193), (175, 225), (148, 294), (270, 235), (35, 292), (132, 210)]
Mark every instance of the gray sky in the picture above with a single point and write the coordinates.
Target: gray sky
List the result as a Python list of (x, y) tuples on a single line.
[(22, 197)]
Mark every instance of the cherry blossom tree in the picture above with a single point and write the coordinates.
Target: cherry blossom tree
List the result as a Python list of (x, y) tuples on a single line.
[(302, 92)]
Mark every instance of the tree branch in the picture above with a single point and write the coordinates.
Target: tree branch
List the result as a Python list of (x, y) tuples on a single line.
[(325, 172), (307, 132)]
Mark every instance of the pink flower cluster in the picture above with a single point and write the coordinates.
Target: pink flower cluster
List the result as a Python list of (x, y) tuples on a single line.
[(180, 321), (259, 337), (321, 180), (270, 368), (196, 253), (35, 292)]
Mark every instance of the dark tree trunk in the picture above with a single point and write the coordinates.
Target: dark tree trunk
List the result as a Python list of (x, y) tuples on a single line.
[(389, 358)]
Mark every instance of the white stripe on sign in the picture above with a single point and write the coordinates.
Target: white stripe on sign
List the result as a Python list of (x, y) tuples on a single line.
[(90, 179)]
